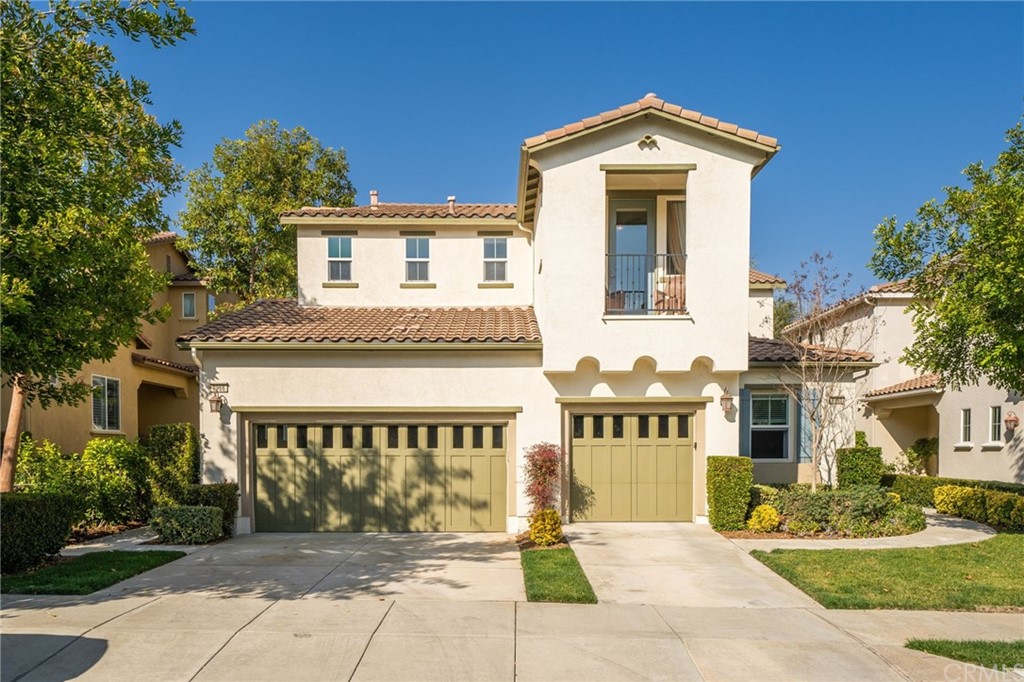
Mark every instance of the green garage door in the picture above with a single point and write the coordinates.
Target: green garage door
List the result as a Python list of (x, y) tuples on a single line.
[(372, 477), (632, 467)]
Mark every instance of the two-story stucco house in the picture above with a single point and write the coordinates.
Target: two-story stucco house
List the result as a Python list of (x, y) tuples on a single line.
[(150, 382), (977, 427), (610, 310)]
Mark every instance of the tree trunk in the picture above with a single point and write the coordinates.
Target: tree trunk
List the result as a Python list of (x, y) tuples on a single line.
[(11, 438)]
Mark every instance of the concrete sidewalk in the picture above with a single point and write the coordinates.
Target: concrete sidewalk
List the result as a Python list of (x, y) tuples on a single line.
[(316, 638)]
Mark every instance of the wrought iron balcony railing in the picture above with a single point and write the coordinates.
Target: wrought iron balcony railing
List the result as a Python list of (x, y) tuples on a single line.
[(646, 284)]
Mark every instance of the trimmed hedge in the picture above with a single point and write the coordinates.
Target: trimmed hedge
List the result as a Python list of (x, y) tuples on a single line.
[(224, 496), (728, 484), (919, 489), (117, 476), (173, 461), (857, 511), (859, 466), (994, 507), (33, 526), (187, 525)]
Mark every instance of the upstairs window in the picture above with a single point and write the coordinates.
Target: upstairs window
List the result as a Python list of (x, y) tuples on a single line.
[(339, 259), (106, 403), (965, 425), (995, 424), (188, 306), (417, 259), (769, 426), (495, 259)]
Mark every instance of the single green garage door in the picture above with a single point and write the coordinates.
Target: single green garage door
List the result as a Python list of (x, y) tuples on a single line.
[(632, 467), (373, 477)]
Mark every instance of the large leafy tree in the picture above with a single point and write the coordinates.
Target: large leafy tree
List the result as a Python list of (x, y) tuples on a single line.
[(83, 170), (964, 258), (234, 202)]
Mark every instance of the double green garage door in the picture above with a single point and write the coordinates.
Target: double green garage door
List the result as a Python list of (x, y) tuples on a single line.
[(379, 477)]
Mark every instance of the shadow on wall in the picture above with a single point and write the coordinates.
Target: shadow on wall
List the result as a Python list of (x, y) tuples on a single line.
[(643, 380), (22, 653), (581, 498)]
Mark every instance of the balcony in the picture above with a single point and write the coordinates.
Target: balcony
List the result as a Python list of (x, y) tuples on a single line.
[(646, 284)]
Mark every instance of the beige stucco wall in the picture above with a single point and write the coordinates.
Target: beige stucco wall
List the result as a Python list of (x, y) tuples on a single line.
[(378, 267), (982, 458), (163, 334), (571, 246), (761, 313), (330, 384)]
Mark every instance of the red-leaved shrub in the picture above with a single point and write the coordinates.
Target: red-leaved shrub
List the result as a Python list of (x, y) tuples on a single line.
[(543, 475)]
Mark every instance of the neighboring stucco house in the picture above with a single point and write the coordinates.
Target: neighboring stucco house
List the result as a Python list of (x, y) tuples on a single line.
[(150, 382), (899, 406), (610, 310)]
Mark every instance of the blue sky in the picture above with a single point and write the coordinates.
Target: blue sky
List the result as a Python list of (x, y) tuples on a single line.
[(877, 105)]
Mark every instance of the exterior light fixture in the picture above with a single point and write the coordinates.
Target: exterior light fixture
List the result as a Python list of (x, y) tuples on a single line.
[(726, 401), (1012, 421), (216, 400)]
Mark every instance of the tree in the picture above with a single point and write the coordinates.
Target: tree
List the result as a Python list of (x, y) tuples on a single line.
[(964, 259), (83, 171), (785, 314), (234, 202), (829, 346)]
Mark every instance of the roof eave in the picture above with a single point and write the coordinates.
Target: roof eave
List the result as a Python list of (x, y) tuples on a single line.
[(386, 221), (362, 345), (903, 394)]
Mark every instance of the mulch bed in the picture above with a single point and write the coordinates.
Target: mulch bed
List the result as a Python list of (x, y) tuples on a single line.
[(80, 535), (526, 544)]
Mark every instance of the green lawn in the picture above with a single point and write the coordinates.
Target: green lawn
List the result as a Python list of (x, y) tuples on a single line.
[(991, 654), (555, 575), (86, 573), (955, 577)]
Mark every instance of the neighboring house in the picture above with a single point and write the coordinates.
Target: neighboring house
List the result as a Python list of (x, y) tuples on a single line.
[(899, 406), (609, 310), (150, 382)]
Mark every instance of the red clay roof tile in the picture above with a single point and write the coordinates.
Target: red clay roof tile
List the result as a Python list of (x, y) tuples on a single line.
[(915, 384), (390, 211)]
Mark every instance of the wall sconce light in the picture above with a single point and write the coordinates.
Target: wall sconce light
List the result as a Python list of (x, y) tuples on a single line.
[(726, 401), (216, 400), (1012, 421)]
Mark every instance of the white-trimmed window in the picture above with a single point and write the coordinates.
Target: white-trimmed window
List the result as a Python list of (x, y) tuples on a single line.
[(965, 425), (769, 426), (995, 420), (495, 259), (339, 259), (106, 403), (417, 259), (188, 305)]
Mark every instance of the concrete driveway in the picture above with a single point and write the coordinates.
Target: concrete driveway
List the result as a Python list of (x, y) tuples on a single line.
[(676, 564), (450, 566)]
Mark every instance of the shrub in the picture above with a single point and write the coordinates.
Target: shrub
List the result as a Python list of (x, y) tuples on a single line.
[(764, 519), (804, 511), (916, 457), (187, 525), (545, 527), (543, 475), (728, 488), (860, 439), (895, 497), (968, 503), (761, 494), (224, 496), (43, 468), (116, 475), (1017, 515), (999, 509), (33, 526), (173, 451), (859, 466), (918, 489)]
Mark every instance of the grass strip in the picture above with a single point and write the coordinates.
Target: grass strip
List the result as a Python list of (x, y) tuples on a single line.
[(555, 575), (86, 573), (987, 653), (962, 577)]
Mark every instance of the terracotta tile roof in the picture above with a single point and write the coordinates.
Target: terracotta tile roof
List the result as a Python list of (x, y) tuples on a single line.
[(187, 278), (900, 287), (484, 211), (758, 277), (650, 101), (779, 350), (285, 320), (915, 384), (161, 238), (142, 359)]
